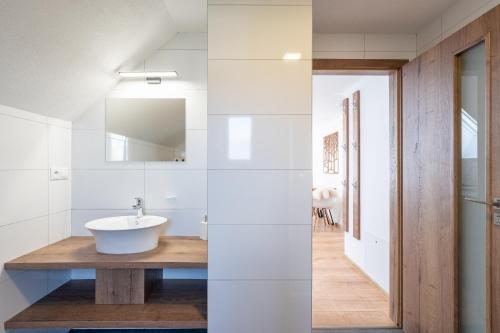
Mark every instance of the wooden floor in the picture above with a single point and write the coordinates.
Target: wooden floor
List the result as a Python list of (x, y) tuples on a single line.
[(342, 295)]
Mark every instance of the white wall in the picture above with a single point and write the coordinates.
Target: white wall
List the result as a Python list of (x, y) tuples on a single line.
[(454, 18), (371, 252), (259, 166), (364, 46), (103, 189), (34, 211)]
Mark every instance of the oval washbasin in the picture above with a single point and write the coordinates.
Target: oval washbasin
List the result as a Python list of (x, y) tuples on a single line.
[(127, 234)]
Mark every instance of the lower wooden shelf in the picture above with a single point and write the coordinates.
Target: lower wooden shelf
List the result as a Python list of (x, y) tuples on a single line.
[(176, 304)]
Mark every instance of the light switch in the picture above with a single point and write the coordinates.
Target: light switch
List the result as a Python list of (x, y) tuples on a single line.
[(59, 173)]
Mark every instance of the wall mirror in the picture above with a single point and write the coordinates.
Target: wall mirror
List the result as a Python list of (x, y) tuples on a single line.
[(145, 129)]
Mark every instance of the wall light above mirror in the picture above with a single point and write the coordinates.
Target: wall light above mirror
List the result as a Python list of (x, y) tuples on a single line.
[(145, 129)]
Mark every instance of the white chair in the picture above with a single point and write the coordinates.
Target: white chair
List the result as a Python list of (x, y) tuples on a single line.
[(323, 201)]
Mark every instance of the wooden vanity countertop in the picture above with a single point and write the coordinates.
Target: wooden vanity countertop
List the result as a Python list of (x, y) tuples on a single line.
[(80, 252)]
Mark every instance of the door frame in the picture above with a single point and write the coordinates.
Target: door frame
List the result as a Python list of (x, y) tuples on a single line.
[(457, 148), (393, 68)]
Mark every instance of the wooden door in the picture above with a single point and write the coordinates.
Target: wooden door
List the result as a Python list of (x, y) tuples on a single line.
[(345, 149), (356, 209), (431, 177)]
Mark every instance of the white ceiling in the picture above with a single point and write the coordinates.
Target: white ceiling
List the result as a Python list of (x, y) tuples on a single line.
[(58, 57), (376, 16), (155, 120), (188, 15)]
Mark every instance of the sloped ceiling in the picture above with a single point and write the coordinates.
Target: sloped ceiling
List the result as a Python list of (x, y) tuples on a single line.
[(58, 57), (188, 15)]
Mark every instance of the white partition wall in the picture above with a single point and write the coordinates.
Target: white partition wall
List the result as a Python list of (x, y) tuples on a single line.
[(259, 166)]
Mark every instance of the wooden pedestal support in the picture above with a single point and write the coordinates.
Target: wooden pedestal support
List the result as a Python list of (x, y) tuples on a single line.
[(125, 286)]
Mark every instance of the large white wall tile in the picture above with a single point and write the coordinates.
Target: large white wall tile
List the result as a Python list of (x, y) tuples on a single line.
[(259, 197), (21, 238), (259, 87), (59, 195), (391, 42), (259, 142), (259, 306), (196, 109), (29, 145), (19, 291), (106, 189), (92, 119), (259, 251), (176, 189), (191, 65), (259, 32), (181, 222), (80, 217), (59, 226), (338, 55), (23, 144), (24, 195), (59, 147), (390, 55), (339, 42)]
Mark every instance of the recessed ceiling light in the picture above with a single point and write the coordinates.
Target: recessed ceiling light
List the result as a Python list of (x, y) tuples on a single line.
[(292, 56), (169, 74)]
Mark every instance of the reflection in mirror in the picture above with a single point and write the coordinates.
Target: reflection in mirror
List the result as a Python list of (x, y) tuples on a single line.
[(145, 129)]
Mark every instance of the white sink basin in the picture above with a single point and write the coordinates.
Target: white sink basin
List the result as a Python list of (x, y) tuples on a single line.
[(127, 234)]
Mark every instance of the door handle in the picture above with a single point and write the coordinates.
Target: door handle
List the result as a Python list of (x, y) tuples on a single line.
[(495, 203)]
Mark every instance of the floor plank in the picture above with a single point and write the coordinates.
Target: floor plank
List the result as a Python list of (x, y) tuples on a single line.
[(343, 296)]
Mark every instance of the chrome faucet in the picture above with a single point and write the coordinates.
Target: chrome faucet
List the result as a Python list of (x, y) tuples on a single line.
[(139, 205)]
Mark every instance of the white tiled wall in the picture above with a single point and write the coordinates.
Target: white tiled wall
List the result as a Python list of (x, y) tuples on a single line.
[(364, 46), (171, 189), (454, 18), (259, 166), (34, 211)]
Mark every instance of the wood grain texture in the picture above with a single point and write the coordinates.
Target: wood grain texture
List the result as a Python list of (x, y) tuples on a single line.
[(343, 296), (430, 176), (125, 286), (345, 150), (358, 64), (396, 194), (180, 304), (356, 161), (80, 252)]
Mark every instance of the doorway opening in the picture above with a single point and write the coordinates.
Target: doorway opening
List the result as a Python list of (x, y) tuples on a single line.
[(356, 242)]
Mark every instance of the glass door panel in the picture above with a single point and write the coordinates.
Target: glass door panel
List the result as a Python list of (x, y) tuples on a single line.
[(474, 217)]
